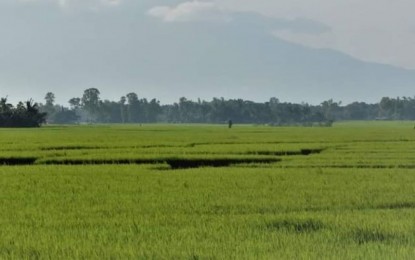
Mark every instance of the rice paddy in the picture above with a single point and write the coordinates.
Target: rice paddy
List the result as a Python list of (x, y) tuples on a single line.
[(208, 192)]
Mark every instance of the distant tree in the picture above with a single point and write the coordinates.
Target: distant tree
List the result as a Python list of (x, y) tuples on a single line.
[(357, 111), (123, 111), (91, 103), (24, 115), (327, 107), (5, 108), (133, 108), (109, 112), (386, 108), (75, 103), (153, 110), (50, 99), (32, 116), (49, 106), (130, 108), (6, 112), (65, 116), (408, 108)]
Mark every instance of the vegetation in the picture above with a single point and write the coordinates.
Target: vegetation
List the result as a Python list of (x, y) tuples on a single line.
[(90, 108), (23, 115), (288, 193)]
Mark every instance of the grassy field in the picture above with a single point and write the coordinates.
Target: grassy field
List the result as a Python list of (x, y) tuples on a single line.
[(208, 192)]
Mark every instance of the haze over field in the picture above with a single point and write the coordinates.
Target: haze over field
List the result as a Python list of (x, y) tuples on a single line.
[(297, 51)]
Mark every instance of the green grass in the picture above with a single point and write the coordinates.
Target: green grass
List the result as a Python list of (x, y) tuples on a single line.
[(354, 200)]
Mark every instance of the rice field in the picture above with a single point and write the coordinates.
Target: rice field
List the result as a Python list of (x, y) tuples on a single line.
[(208, 192)]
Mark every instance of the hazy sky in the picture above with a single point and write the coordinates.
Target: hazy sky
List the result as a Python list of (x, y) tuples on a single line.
[(65, 46), (373, 30)]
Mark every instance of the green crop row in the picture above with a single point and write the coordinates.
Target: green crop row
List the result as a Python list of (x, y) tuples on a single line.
[(137, 212), (208, 192)]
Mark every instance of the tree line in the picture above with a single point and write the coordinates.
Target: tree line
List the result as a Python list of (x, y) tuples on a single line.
[(23, 115), (132, 109), (90, 108)]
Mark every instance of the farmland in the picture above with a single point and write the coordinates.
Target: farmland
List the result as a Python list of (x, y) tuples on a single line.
[(208, 192)]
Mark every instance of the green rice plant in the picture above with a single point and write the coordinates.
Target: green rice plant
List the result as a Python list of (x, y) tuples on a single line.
[(93, 192)]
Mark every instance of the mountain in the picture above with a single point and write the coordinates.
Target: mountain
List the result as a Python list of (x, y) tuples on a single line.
[(121, 50)]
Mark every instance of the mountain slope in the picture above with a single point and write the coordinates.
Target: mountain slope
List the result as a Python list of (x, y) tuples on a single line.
[(123, 51)]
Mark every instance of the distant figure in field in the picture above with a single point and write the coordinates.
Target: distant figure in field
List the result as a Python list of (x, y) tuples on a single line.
[(230, 123)]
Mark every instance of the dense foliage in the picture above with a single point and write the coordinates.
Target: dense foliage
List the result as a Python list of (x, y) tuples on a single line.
[(132, 109), (23, 115)]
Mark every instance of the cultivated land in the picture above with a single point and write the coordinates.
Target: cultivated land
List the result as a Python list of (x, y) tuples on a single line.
[(151, 192)]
